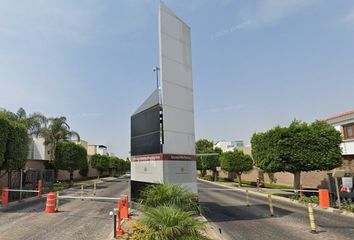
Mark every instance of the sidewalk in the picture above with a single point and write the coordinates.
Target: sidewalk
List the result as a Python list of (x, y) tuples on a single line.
[(264, 193)]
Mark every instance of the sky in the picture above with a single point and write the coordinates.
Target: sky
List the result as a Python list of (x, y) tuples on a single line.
[(256, 64)]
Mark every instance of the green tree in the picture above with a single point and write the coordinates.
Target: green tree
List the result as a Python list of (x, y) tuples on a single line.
[(100, 162), (4, 132), (171, 223), (208, 162), (17, 146), (298, 148), (70, 156), (55, 130), (13, 143), (236, 162)]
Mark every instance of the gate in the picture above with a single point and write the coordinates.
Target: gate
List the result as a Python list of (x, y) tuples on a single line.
[(29, 180)]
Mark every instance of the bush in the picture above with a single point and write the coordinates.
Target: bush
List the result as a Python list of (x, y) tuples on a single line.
[(168, 195), (59, 186), (208, 178), (251, 183), (168, 223), (225, 179), (348, 206), (309, 200)]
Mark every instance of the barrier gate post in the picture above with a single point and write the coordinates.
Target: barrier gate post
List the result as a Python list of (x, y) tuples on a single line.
[(40, 188), (119, 230), (5, 196)]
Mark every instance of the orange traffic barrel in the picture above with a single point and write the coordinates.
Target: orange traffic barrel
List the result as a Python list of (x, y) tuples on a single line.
[(50, 205), (323, 198), (125, 207)]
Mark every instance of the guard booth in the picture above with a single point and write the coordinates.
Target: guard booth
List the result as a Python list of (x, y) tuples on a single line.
[(342, 185), (162, 128)]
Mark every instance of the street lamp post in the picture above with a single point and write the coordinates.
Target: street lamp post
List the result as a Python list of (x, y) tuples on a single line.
[(157, 69)]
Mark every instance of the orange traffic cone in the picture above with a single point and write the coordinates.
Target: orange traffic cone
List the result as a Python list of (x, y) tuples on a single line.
[(50, 205)]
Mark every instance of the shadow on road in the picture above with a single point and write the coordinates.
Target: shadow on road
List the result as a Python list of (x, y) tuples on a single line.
[(218, 213)]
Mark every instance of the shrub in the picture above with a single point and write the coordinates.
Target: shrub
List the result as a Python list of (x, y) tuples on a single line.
[(348, 206), (225, 179), (168, 223), (168, 195), (309, 200), (208, 178)]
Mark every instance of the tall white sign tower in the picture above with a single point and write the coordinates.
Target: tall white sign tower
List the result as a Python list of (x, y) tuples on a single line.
[(162, 129)]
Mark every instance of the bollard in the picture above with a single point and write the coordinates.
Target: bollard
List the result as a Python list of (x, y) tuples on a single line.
[(312, 220), (94, 188), (82, 191), (119, 231), (247, 199), (270, 205), (40, 188), (5, 196), (57, 202), (50, 204), (124, 211)]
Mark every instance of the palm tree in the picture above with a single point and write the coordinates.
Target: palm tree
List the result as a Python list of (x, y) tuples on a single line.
[(169, 223), (55, 130)]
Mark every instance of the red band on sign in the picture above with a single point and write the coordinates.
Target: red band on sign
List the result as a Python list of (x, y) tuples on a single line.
[(163, 157)]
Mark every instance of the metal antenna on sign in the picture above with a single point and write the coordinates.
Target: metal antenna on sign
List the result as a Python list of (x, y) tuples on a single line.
[(157, 69)]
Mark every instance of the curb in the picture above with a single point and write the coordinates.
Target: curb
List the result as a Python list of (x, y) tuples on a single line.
[(295, 202), (19, 202)]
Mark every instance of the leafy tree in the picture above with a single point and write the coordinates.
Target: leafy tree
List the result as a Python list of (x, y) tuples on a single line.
[(166, 222), (100, 162), (236, 162), (17, 147), (4, 132), (13, 143), (205, 163), (70, 156), (297, 148), (168, 195)]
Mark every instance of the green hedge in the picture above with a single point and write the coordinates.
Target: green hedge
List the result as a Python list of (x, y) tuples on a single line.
[(208, 178)]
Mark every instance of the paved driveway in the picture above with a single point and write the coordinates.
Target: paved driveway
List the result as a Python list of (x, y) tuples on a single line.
[(76, 219)]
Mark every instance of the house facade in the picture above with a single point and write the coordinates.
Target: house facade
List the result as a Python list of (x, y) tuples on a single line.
[(344, 123), (227, 146)]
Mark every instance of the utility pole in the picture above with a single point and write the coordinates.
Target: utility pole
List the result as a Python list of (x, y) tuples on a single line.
[(157, 69)]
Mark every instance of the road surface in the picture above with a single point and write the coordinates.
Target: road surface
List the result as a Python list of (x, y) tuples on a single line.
[(76, 219), (228, 211)]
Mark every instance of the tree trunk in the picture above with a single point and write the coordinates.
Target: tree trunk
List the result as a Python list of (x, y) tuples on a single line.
[(261, 174), (239, 179), (71, 178), (215, 175), (202, 172), (297, 180)]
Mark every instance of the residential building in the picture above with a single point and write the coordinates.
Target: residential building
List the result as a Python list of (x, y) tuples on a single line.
[(82, 143), (227, 146), (344, 123), (96, 149), (37, 150)]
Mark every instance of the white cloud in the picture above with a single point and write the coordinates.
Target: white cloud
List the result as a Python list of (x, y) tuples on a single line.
[(349, 19), (269, 11)]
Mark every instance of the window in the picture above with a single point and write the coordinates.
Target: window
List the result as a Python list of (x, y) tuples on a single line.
[(348, 131)]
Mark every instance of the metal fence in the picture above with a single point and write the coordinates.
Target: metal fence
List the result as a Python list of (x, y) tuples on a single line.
[(28, 180)]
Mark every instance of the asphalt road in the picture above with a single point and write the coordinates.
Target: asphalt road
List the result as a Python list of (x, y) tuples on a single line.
[(228, 211), (75, 220)]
